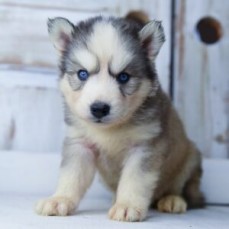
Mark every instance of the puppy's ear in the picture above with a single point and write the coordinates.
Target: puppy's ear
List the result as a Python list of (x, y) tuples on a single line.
[(60, 32), (152, 38)]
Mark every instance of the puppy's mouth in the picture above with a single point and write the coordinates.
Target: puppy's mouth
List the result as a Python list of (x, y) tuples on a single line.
[(100, 121)]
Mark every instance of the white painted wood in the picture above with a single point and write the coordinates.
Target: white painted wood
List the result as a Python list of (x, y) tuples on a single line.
[(28, 77), (24, 36), (31, 117), (215, 182), (201, 77), (158, 10), (71, 5)]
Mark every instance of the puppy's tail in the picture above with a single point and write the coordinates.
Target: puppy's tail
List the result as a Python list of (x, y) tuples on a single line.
[(138, 16)]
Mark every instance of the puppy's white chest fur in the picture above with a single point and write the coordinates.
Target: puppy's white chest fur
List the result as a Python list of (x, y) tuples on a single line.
[(113, 146), (114, 141)]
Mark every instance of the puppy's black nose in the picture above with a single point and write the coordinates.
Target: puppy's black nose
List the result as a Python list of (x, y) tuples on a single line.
[(100, 109)]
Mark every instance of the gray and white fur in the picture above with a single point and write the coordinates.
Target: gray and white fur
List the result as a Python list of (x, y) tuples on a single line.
[(128, 131)]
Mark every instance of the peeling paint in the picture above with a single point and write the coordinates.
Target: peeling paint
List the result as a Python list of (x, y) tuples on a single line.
[(12, 130), (223, 138), (181, 22)]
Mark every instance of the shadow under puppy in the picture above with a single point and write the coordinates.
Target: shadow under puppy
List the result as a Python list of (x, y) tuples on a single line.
[(119, 121)]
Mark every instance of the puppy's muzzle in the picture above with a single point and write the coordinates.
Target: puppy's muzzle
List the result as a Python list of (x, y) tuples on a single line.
[(100, 109)]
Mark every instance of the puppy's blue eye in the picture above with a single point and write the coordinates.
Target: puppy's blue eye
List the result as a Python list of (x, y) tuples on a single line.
[(123, 77), (83, 75)]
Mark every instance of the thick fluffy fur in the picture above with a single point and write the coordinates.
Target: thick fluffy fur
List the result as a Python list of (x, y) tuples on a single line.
[(140, 148)]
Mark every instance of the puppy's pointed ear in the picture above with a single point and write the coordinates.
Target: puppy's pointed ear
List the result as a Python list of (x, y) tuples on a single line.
[(60, 32), (152, 38)]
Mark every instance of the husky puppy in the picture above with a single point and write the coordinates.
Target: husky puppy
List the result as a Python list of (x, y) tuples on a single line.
[(120, 121)]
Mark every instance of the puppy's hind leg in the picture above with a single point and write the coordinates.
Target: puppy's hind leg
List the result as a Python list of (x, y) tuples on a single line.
[(191, 196), (192, 192), (76, 175), (172, 204)]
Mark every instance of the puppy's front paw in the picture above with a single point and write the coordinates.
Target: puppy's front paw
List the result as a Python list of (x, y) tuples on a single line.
[(172, 204), (55, 206), (129, 213)]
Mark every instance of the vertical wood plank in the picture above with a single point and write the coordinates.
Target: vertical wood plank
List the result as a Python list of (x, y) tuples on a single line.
[(201, 76), (31, 117)]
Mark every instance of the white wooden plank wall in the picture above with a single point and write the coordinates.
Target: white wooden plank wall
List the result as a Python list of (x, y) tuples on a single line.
[(31, 117), (201, 76), (24, 38)]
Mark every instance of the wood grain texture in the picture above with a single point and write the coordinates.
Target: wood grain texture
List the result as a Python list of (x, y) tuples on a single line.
[(31, 117), (24, 37), (71, 5), (201, 77)]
